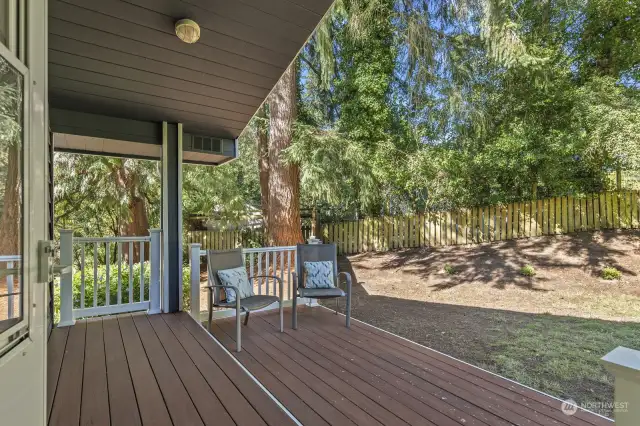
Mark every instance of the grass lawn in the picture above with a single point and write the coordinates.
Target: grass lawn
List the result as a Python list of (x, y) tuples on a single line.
[(559, 356), (547, 331)]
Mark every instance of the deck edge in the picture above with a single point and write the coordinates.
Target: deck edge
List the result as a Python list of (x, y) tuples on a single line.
[(469, 364), (248, 373)]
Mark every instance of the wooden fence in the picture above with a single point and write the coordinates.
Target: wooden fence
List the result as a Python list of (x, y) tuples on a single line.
[(558, 215)]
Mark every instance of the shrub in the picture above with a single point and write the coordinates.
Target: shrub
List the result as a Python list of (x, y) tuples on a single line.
[(528, 271), (449, 269), (101, 274), (611, 273)]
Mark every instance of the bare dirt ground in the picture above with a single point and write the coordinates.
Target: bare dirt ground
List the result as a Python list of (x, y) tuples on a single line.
[(546, 331)]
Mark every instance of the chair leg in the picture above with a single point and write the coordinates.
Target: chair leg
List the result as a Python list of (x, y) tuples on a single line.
[(246, 318), (337, 306), (348, 310), (210, 320), (294, 313), (281, 316), (238, 329)]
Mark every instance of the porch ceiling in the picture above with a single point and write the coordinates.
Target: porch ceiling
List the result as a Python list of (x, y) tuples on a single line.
[(123, 59)]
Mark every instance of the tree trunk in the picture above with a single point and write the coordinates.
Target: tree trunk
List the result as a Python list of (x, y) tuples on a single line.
[(138, 224), (127, 181), (262, 139), (11, 215), (284, 179)]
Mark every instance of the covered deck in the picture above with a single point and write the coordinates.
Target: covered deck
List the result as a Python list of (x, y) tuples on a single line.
[(166, 369)]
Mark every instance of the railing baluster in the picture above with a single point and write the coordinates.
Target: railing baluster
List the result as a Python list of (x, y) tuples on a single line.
[(281, 270), (10, 291), (107, 261), (259, 273), (119, 273), (291, 284), (82, 276), (267, 273), (95, 274), (251, 267), (142, 271), (130, 272)]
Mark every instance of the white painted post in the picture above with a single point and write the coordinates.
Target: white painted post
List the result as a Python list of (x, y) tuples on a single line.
[(154, 278), (194, 262), (66, 279), (624, 364)]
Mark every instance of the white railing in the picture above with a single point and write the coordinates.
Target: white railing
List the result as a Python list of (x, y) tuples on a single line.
[(11, 267), (99, 272), (278, 261)]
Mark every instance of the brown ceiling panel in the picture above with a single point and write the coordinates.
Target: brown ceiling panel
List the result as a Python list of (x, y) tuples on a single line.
[(122, 58)]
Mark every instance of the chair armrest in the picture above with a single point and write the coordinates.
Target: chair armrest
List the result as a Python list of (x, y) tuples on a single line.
[(348, 280), (234, 288)]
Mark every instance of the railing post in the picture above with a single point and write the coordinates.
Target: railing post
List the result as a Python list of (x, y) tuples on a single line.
[(624, 364), (66, 279), (154, 279), (194, 262)]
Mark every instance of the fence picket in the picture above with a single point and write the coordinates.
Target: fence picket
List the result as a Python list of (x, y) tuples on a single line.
[(550, 216)]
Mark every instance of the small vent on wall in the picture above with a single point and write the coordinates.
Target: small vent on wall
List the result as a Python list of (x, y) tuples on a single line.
[(207, 144)]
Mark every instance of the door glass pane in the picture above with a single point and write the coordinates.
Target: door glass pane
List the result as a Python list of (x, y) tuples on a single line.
[(11, 137), (4, 21)]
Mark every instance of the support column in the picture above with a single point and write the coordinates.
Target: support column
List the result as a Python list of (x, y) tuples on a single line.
[(154, 274), (172, 217), (624, 364)]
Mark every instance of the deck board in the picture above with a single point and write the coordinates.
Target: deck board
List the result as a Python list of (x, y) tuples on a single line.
[(123, 406), (94, 410), (153, 410), (165, 369), (55, 353), (205, 401), (157, 370), (66, 409), (403, 382)]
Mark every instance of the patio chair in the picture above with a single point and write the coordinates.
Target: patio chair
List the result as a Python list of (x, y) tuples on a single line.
[(229, 259), (319, 253)]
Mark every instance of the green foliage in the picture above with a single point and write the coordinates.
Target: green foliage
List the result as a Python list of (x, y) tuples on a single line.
[(407, 105), (611, 273), (89, 286), (449, 269), (528, 271)]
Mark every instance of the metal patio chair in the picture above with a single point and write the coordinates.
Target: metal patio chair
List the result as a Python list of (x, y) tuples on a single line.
[(319, 253), (227, 259)]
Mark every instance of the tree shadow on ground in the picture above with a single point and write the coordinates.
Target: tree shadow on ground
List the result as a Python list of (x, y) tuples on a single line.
[(559, 355), (499, 264)]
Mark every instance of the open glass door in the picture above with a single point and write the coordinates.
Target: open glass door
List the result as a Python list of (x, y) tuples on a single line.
[(23, 179)]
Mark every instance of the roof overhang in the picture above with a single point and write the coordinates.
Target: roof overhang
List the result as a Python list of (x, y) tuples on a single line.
[(122, 60)]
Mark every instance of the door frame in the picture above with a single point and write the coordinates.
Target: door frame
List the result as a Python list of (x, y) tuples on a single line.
[(25, 365)]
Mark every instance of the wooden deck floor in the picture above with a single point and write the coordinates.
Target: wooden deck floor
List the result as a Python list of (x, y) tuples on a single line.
[(326, 374), (150, 370)]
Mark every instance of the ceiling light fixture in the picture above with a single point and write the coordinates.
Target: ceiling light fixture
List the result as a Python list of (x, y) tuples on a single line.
[(187, 30)]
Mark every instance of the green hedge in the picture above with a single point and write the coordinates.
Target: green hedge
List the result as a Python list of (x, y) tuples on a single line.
[(113, 286)]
